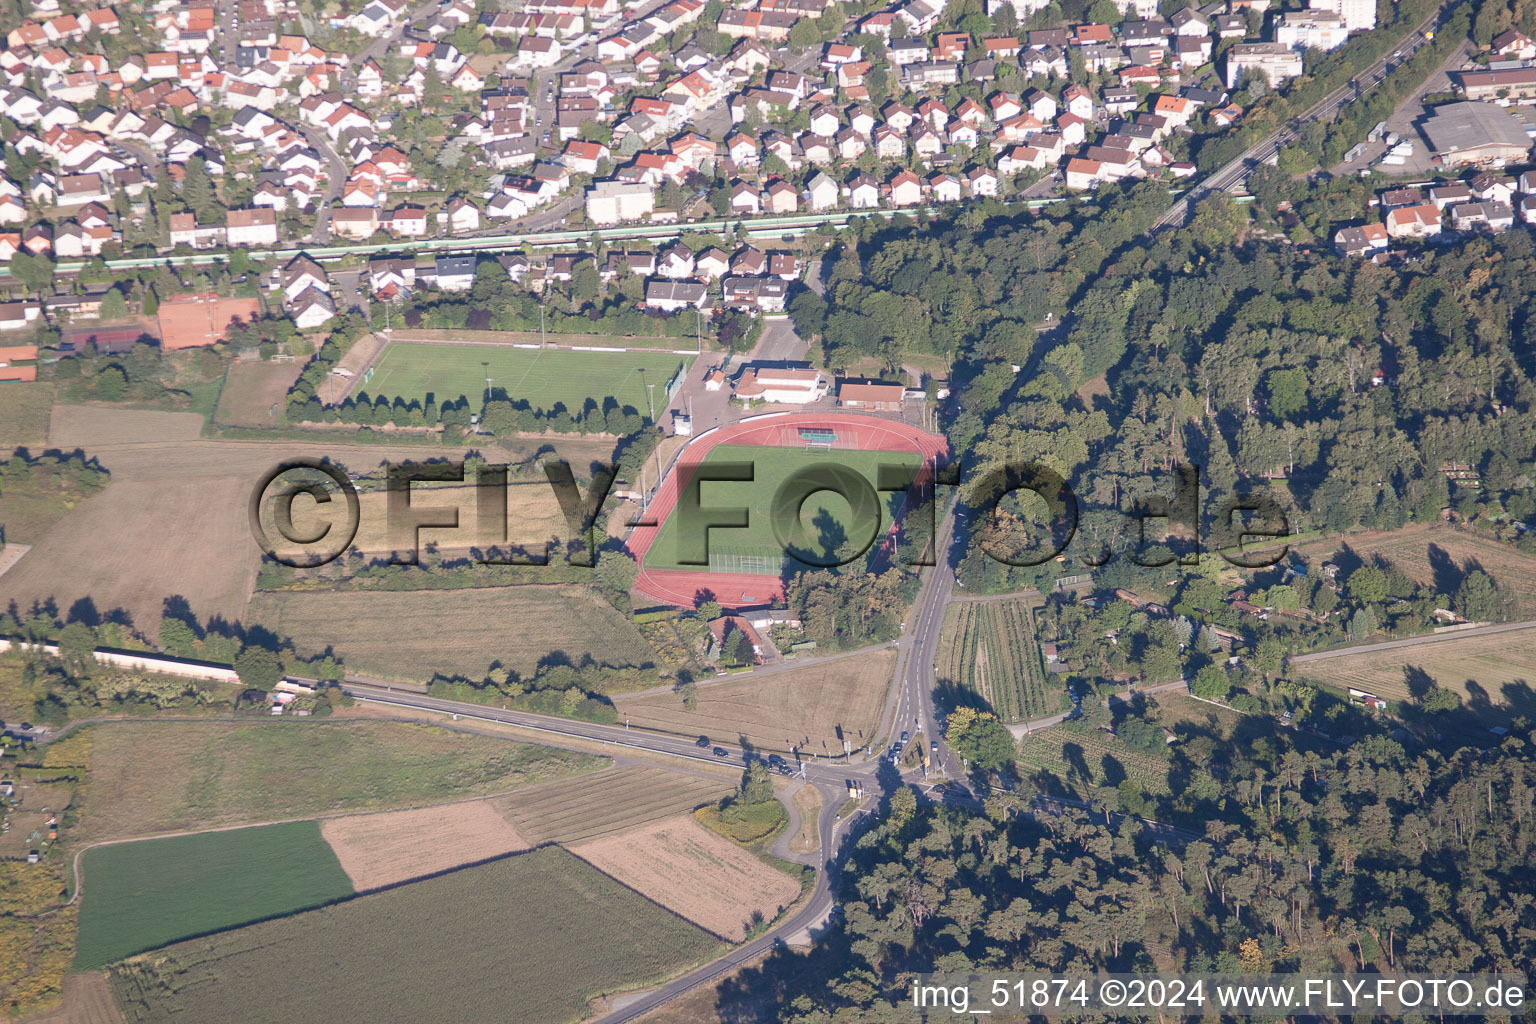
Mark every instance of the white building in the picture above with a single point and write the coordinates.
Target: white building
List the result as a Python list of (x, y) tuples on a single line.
[(1358, 15), (1275, 61), (1302, 30), (781, 386), (614, 202)]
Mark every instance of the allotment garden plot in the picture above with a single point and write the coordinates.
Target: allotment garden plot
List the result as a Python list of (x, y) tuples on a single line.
[(989, 648), (543, 378)]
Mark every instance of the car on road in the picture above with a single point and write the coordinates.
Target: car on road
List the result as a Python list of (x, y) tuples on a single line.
[(934, 746), (905, 736), (702, 741), (722, 752)]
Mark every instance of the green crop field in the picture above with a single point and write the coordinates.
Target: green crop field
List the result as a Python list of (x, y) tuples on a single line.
[(137, 896), (990, 649), (827, 518), (24, 413), (542, 378), (532, 937), (156, 777)]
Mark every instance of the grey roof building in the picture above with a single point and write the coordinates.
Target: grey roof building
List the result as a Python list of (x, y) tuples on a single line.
[(1474, 133)]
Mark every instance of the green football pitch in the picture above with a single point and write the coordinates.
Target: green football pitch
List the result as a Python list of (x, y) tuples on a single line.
[(543, 378), (827, 519)]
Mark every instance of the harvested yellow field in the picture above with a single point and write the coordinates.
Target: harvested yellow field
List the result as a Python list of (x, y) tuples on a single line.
[(694, 873), (573, 810), (801, 708), (533, 517), (1436, 555), (376, 850), (87, 1000), (416, 634), (1494, 668)]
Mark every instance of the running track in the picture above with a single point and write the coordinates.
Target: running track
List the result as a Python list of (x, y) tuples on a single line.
[(738, 590)]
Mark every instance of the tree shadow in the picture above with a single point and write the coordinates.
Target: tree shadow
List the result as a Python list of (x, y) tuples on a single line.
[(1114, 771), (1417, 680), (1077, 763)]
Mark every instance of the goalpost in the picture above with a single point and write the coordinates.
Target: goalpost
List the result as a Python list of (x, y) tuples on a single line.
[(744, 561)]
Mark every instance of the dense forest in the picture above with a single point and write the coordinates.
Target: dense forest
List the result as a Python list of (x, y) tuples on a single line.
[(1369, 858), (1341, 390)]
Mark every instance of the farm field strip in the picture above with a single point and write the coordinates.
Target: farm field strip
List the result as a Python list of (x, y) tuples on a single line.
[(695, 873), (991, 649), (413, 635), (1048, 751), (544, 378), (531, 937), (24, 415), (800, 708), (382, 849), (578, 809), (1416, 550), (140, 895), (533, 516), (218, 774), (1475, 667)]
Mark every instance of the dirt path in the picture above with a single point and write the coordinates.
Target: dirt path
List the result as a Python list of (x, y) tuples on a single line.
[(1413, 641)]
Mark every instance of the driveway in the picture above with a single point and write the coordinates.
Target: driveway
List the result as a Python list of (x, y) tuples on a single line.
[(779, 343)]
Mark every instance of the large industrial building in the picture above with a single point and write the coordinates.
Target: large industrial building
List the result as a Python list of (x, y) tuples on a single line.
[(1476, 133)]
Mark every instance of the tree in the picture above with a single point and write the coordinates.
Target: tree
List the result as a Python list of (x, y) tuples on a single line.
[(615, 572), (110, 383), (1287, 392), (804, 34), (113, 305), (756, 784), (177, 637), (259, 668), (1476, 599), (1438, 699), (1103, 12), (739, 647), (980, 738), (1211, 683), (1367, 585), (690, 694), (709, 611), (35, 272)]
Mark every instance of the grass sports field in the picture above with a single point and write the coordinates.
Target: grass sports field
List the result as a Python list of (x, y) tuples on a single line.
[(533, 937), (138, 896), (543, 378), (826, 517)]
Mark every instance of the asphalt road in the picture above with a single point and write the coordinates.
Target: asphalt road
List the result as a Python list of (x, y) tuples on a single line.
[(1232, 176)]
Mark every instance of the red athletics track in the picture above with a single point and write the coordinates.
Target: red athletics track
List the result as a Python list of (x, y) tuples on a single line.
[(778, 429)]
